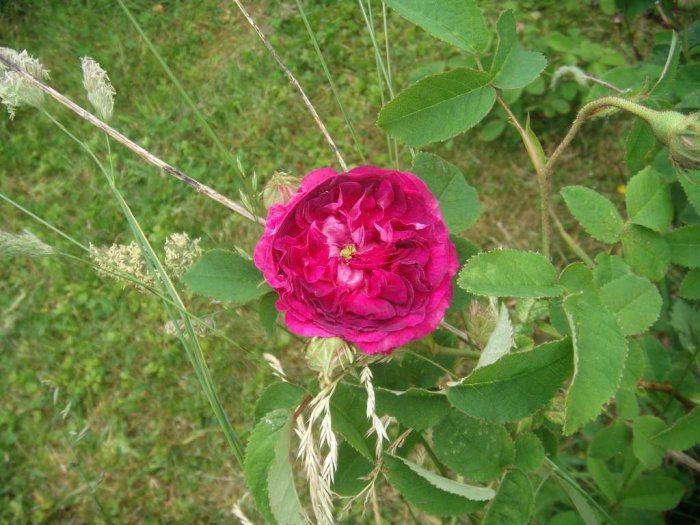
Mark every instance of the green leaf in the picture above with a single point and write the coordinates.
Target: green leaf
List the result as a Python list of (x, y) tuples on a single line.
[(278, 395), (643, 428), (685, 246), (500, 341), (284, 500), (226, 276), (457, 22), (424, 494), (510, 273), (634, 366), (609, 441), (653, 493), (598, 216), (459, 202), (690, 286), (690, 180), (515, 386), (640, 146), (465, 250), (656, 359), (512, 66), (600, 350), (583, 508), (529, 452), (471, 492), (415, 408), (602, 477), (352, 467), (648, 200), (513, 502), (646, 252), (492, 129), (260, 455), (683, 434), (349, 419), (609, 268), (635, 302), (438, 107), (267, 312), (475, 449), (576, 278)]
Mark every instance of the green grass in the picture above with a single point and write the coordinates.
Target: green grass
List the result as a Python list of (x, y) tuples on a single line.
[(153, 451)]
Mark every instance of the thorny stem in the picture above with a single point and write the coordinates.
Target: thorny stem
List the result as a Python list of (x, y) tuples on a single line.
[(141, 152), (294, 83)]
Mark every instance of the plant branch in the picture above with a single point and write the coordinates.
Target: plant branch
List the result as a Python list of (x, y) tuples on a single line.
[(141, 152), (294, 83), (538, 161), (667, 388), (571, 242)]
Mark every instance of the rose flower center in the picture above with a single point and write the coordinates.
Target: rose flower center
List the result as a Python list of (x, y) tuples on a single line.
[(348, 251)]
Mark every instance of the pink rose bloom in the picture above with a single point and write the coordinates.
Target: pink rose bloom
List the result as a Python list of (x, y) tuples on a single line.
[(363, 255)]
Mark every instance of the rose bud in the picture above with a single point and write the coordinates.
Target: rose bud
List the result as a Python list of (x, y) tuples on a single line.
[(363, 255), (681, 133), (279, 189)]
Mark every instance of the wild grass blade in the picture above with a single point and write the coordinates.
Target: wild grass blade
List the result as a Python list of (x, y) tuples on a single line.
[(188, 337), (230, 158), (329, 78)]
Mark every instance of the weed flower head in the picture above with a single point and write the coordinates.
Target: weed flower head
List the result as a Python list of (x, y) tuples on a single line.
[(181, 253), (15, 90), (23, 244), (99, 88), (121, 261)]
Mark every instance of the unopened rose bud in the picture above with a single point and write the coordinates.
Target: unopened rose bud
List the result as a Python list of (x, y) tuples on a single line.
[(681, 133), (325, 355), (279, 189)]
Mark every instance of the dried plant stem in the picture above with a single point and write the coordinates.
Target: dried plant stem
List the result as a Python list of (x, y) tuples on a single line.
[(141, 152), (667, 388), (294, 83)]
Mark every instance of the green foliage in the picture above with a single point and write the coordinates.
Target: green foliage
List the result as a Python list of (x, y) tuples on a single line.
[(512, 66), (459, 202), (597, 215), (504, 273), (280, 395), (513, 502), (261, 456), (416, 408), (432, 493), (645, 427), (653, 493), (438, 107), (600, 349), (646, 252), (529, 452), (684, 244), (649, 201), (458, 22), (226, 276), (515, 386), (475, 449), (683, 434), (634, 301)]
